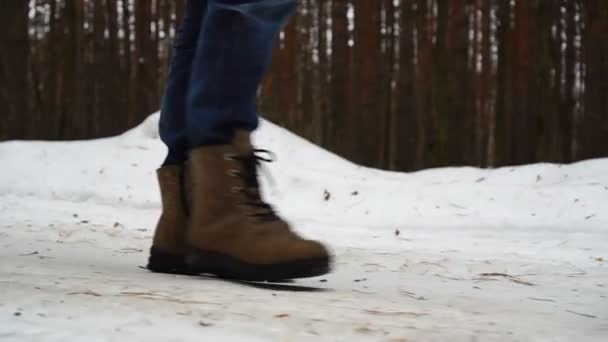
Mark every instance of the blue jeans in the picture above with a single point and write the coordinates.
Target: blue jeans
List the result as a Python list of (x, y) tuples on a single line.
[(221, 52)]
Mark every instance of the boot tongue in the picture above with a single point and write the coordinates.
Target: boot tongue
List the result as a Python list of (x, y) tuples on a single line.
[(242, 142)]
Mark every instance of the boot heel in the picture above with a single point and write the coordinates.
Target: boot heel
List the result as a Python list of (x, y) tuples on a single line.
[(162, 262)]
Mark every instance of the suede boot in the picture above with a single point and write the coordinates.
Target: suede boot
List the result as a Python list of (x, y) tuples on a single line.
[(233, 233), (169, 246)]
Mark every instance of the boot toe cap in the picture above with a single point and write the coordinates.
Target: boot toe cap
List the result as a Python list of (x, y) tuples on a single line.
[(310, 249)]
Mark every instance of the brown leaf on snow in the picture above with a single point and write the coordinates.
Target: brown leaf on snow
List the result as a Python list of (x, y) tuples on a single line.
[(365, 330), (283, 315), (326, 195)]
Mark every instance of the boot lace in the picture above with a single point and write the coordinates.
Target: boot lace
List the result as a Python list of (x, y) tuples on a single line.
[(249, 173)]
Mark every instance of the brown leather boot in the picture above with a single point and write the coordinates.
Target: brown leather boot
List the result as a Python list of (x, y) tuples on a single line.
[(233, 233), (169, 246)]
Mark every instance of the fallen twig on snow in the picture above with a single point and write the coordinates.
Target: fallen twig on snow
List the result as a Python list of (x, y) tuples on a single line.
[(85, 292), (364, 292), (447, 277), (433, 264), (156, 296), (541, 299), (412, 295), (507, 276), (129, 250), (394, 313), (581, 314)]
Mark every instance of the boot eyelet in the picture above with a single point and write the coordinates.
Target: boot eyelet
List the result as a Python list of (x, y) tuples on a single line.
[(229, 156), (236, 189), (233, 173)]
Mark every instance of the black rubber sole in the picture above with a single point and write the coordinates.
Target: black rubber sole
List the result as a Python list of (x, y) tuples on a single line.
[(162, 262), (224, 266)]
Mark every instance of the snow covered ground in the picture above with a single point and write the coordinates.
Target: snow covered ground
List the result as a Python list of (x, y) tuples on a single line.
[(516, 253)]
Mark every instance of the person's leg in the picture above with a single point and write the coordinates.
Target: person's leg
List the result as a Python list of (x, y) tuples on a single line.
[(232, 232), (169, 244), (234, 51), (173, 111)]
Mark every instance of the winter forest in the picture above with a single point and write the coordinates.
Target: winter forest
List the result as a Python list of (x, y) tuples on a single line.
[(396, 84), (483, 214)]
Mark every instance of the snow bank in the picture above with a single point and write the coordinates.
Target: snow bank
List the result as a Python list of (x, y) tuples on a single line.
[(120, 171)]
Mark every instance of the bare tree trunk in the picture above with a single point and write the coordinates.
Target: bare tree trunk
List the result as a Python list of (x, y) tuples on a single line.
[(368, 67), (594, 124), (14, 63), (521, 115), (405, 141), (566, 115), (341, 109)]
